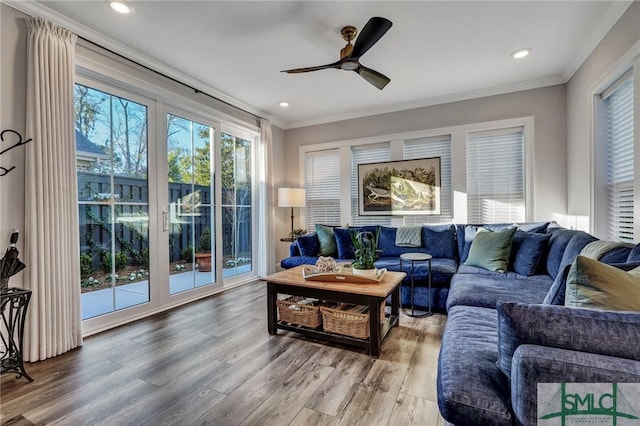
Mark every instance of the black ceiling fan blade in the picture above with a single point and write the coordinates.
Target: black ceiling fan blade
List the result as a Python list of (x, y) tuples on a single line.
[(370, 34), (308, 69), (373, 77)]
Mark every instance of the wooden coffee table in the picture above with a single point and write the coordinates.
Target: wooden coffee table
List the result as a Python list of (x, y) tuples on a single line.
[(290, 282)]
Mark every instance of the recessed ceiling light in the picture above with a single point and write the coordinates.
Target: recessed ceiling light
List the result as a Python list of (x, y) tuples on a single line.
[(521, 53), (120, 7), (284, 104)]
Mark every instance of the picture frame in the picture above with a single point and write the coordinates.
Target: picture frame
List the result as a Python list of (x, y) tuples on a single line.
[(400, 188)]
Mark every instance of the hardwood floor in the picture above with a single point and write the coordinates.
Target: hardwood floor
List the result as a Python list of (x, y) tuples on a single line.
[(213, 362)]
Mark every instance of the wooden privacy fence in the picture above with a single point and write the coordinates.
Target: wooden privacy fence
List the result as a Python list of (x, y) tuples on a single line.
[(120, 217)]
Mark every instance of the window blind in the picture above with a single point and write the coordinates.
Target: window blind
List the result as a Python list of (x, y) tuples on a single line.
[(322, 181), (362, 155), (620, 161), (439, 146), (495, 176)]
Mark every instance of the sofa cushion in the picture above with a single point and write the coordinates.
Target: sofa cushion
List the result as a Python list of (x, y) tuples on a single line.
[(439, 240), (471, 391), (585, 330), (387, 242), (593, 284), (555, 296), (485, 290), (466, 233), (616, 255), (560, 237), (327, 240), (578, 242), (556, 293), (308, 244), (527, 249), (634, 254), (491, 249), (292, 262), (534, 364), (535, 227), (344, 243), (442, 270)]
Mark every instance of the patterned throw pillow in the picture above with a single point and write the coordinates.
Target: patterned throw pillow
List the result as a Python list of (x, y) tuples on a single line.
[(593, 284)]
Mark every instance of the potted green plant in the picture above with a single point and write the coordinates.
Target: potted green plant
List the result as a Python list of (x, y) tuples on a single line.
[(203, 253), (366, 252), (297, 233)]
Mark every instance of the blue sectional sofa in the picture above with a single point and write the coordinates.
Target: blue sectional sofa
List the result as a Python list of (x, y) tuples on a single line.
[(446, 243), (506, 332), (437, 240)]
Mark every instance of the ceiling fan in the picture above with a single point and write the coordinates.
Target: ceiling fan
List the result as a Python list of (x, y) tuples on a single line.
[(351, 53)]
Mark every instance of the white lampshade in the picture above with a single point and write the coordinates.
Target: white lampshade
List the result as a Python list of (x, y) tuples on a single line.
[(291, 197)]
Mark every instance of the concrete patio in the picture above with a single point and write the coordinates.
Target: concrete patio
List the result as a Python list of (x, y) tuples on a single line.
[(104, 301)]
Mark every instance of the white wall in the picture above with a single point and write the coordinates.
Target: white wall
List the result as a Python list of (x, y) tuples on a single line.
[(13, 99), (580, 172), (13, 70), (546, 105)]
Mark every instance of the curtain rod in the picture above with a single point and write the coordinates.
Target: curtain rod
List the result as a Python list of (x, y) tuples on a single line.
[(195, 90)]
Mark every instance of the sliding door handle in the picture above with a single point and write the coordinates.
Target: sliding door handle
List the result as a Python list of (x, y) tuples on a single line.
[(165, 221)]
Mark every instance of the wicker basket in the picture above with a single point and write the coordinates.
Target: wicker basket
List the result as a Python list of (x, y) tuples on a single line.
[(292, 311), (348, 320)]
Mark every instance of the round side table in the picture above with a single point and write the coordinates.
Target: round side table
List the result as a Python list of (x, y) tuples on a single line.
[(413, 258)]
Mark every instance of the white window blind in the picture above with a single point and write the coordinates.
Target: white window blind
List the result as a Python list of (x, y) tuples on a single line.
[(495, 176), (322, 181), (620, 161), (362, 155), (439, 146)]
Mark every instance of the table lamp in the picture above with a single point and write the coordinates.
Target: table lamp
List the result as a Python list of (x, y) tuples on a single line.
[(291, 197)]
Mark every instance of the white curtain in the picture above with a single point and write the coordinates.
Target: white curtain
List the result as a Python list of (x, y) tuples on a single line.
[(266, 253), (54, 323)]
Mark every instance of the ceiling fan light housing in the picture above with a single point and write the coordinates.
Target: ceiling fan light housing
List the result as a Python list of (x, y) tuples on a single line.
[(349, 65)]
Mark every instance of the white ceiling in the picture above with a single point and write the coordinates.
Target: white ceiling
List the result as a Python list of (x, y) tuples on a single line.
[(435, 52)]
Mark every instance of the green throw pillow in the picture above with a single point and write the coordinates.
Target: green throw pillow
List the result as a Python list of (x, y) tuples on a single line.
[(491, 249), (327, 240), (593, 284)]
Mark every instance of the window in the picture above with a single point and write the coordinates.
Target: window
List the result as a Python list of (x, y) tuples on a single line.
[(495, 176), (237, 202), (618, 100), (438, 146), (363, 154), (322, 178), (191, 204)]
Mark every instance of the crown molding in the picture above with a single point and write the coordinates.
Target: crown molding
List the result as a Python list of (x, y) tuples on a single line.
[(33, 8), (613, 14), (438, 100)]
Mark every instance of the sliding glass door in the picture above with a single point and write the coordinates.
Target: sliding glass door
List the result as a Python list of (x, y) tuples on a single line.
[(237, 205), (113, 200), (190, 181), (166, 204)]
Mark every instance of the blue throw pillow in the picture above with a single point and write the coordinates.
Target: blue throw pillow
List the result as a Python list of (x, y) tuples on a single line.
[(634, 255), (308, 244), (527, 249), (439, 240), (535, 227), (343, 239), (344, 243)]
